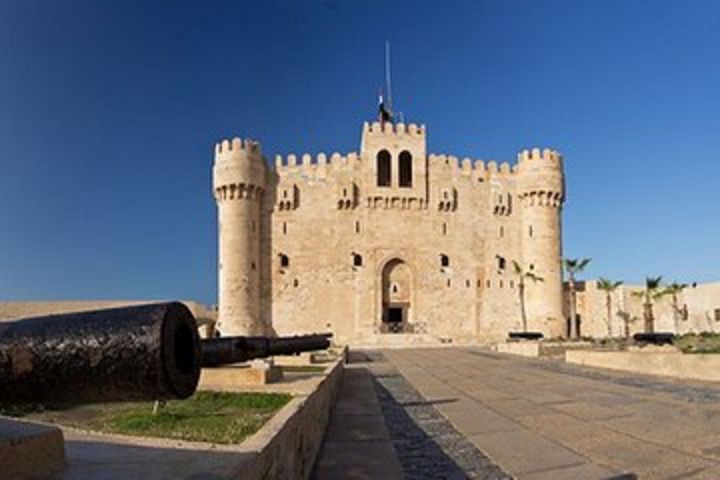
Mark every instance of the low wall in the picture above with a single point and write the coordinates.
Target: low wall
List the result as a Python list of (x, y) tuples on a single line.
[(288, 445), (30, 450), (689, 366), (526, 348)]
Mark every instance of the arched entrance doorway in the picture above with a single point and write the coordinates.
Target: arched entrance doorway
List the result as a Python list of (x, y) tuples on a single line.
[(396, 295)]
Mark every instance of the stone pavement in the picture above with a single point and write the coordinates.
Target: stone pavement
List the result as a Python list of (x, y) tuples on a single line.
[(543, 419), (381, 428), (357, 443)]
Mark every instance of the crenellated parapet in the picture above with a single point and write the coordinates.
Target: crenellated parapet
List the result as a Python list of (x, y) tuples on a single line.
[(458, 168), (388, 128), (314, 166), (239, 170), (541, 179)]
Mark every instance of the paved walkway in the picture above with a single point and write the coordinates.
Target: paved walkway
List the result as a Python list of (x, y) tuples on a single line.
[(543, 419), (534, 419)]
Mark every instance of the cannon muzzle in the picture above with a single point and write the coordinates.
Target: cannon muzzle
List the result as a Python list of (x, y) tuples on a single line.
[(144, 352)]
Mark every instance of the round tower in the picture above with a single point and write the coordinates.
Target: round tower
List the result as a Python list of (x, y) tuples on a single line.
[(239, 179), (541, 191)]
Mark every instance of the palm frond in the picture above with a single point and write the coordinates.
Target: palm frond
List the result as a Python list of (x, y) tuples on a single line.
[(583, 263), (517, 267), (533, 277), (676, 287), (653, 283), (608, 285), (575, 265)]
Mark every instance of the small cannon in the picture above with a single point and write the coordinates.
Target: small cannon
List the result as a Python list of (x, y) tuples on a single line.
[(658, 338), (144, 352)]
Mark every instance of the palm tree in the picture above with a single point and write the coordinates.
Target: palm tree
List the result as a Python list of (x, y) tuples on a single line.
[(573, 266), (627, 319), (673, 290), (652, 291), (608, 286), (522, 276)]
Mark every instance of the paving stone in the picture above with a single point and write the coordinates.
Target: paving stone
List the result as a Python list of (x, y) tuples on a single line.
[(358, 461), (481, 420), (590, 411), (646, 459), (523, 451), (585, 471), (347, 428), (517, 407)]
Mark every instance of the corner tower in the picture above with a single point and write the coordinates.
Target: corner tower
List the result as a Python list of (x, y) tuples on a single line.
[(239, 181), (541, 191)]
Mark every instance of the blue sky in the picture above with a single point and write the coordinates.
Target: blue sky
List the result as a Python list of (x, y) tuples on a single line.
[(109, 110)]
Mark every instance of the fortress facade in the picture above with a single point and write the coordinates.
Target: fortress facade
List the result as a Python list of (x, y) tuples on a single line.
[(389, 242)]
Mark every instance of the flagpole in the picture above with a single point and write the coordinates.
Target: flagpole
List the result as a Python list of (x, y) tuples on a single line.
[(387, 75)]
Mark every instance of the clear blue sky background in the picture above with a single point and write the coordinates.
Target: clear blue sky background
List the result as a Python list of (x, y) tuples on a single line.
[(109, 110)]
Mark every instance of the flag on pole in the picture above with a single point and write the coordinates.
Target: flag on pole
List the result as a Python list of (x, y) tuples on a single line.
[(384, 112)]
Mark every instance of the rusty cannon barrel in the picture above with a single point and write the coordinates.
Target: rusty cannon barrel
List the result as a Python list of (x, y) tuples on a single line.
[(222, 351), (144, 352)]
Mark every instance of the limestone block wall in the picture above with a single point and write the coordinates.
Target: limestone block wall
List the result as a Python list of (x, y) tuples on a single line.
[(339, 249), (700, 302)]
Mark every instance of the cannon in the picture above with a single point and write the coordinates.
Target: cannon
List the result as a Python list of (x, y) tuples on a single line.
[(222, 351), (656, 338), (142, 352)]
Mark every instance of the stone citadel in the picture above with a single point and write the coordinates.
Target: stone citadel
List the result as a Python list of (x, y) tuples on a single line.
[(389, 242)]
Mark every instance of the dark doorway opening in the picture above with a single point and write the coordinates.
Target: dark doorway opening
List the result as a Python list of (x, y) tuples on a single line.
[(395, 319), (394, 315)]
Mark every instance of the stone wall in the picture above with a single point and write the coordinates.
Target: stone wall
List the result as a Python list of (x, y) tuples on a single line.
[(332, 240), (686, 366), (288, 445), (700, 302)]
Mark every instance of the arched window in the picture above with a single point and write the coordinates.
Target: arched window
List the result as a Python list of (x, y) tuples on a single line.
[(357, 260), (444, 260), (384, 169), (405, 169), (284, 261)]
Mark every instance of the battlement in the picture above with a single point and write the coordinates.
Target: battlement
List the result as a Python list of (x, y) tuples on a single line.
[(468, 166), (385, 128), (309, 164), (236, 146), (239, 165), (536, 155)]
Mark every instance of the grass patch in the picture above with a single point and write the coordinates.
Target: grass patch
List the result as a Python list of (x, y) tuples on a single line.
[(705, 342), (217, 417)]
